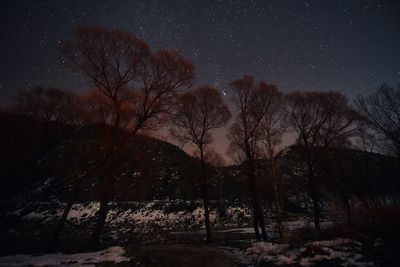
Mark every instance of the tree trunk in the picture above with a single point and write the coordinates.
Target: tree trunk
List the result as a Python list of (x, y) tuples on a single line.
[(107, 192), (60, 225), (277, 198), (314, 195), (258, 219), (262, 224), (207, 220), (101, 219), (205, 198), (110, 162), (345, 199), (255, 222)]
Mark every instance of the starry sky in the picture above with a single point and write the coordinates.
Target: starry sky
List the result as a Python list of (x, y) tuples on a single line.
[(351, 46)]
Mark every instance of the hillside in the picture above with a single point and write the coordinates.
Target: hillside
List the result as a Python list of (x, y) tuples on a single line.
[(53, 156), (42, 161)]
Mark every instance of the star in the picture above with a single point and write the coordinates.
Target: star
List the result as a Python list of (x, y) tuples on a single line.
[(346, 45)]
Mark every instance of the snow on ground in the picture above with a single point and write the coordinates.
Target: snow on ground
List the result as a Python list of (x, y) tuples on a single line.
[(83, 210), (271, 227), (148, 222), (344, 251), (112, 254), (153, 212)]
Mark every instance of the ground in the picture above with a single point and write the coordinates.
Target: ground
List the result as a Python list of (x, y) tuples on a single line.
[(172, 234), (333, 252), (151, 255), (179, 255)]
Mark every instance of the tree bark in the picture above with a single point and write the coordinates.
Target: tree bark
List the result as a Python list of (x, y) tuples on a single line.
[(258, 218), (205, 198), (60, 225), (101, 219), (106, 194), (207, 220), (314, 195), (277, 198), (262, 223)]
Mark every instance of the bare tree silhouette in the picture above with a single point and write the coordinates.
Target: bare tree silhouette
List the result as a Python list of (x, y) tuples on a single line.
[(47, 105), (274, 124), (245, 135), (134, 89), (320, 119), (381, 109), (198, 112)]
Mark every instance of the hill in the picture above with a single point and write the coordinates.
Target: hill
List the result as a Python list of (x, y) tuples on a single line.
[(43, 160)]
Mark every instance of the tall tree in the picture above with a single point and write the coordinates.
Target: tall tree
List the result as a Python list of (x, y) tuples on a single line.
[(134, 87), (320, 119), (366, 141), (381, 109), (52, 108), (198, 113), (251, 101), (273, 127)]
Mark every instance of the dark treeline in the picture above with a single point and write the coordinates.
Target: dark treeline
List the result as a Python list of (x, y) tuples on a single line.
[(100, 145)]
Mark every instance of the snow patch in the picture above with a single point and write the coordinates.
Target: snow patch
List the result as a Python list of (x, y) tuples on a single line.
[(112, 254), (343, 250)]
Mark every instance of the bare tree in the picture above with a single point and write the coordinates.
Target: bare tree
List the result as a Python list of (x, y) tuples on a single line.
[(381, 109), (134, 89), (96, 108), (198, 112), (52, 108), (320, 119), (215, 159), (47, 105), (273, 127), (245, 135), (367, 140)]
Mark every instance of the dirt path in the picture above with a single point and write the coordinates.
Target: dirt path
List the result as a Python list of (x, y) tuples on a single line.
[(178, 255)]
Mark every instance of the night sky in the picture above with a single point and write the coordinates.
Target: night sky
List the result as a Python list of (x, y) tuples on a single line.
[(351, 46)]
